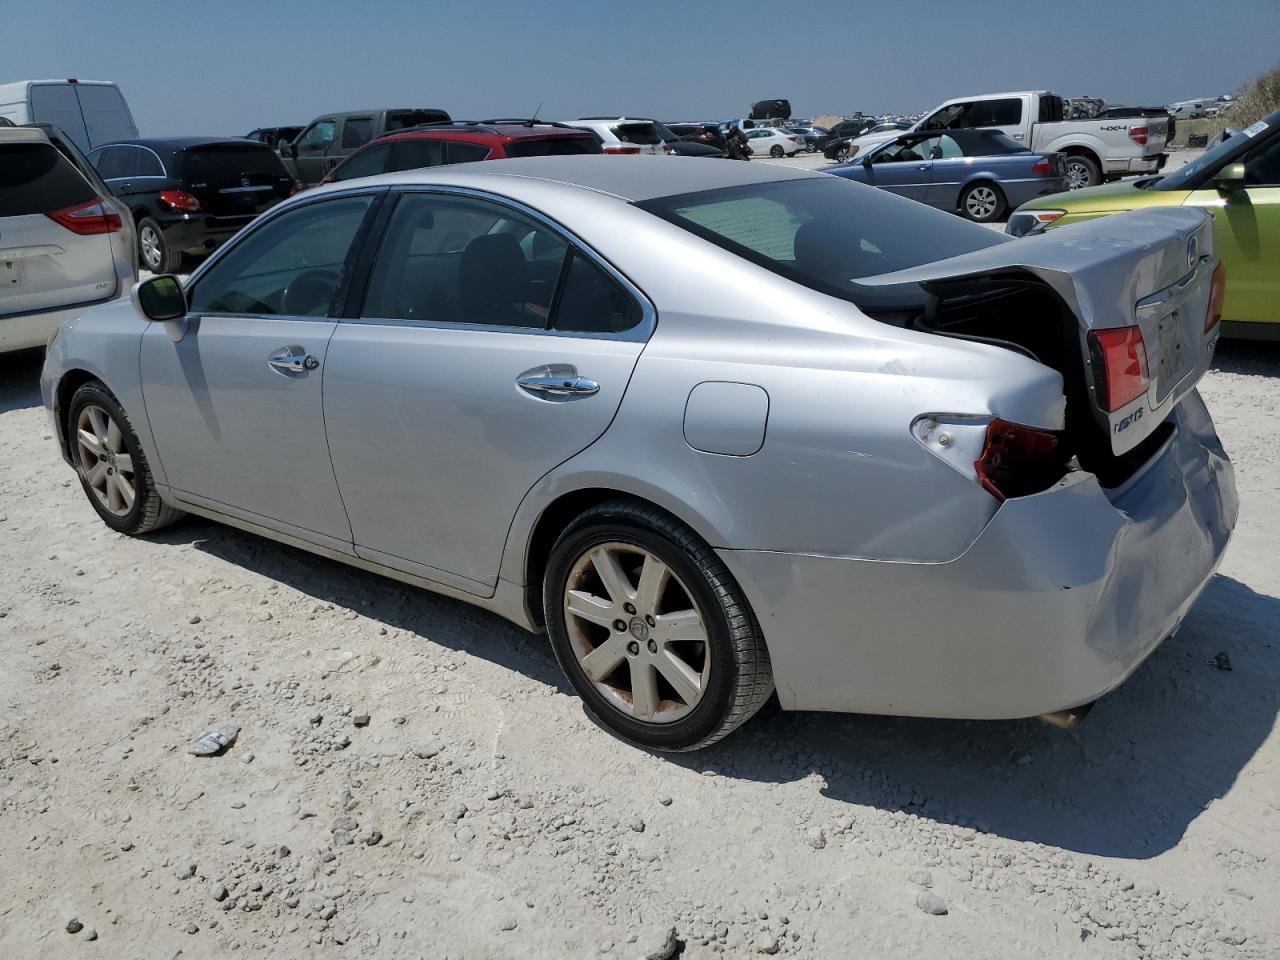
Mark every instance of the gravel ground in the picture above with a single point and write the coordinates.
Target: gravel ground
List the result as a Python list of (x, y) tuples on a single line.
[(412, 777)]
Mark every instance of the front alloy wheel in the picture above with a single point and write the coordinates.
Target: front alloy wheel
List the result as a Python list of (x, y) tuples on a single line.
[(106, 464)]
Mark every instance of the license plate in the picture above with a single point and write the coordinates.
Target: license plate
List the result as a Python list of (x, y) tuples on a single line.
[(10, 274)]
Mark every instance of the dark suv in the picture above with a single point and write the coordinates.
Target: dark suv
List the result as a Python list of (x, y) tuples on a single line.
[(189, 194), (462, 141)]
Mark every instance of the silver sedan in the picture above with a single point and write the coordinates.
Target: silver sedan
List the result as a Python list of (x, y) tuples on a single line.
[(720, 429)]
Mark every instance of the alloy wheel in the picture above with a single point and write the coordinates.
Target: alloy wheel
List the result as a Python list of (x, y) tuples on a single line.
[(150, 242), (637, 632), (105, 460), (981, 203), (1077, 175)]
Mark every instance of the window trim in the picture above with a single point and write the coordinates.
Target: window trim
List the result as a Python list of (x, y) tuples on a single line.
[(163, 175), (372, 243)]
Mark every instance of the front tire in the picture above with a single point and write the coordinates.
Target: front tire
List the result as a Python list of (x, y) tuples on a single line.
[(982, 202), (652, 630), (112, 468), (154, 252), (776, 152), (1082, 172), (842, 154)]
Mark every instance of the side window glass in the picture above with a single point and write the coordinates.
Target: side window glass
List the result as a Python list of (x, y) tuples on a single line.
[(366, 163), (318, 136), (466, 152), (999, 113), (292, 266), (945, 148), (356, 132), (412, 154), (451, 259), (1263, 168), (107, 162), (148, 164), (593, 302)]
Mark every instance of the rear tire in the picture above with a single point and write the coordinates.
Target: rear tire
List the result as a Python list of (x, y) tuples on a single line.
[(1082, 172), (697, 613), (982, 202), (154, 252), (776, 152), (842, 154), (810, 147), (112, 468)]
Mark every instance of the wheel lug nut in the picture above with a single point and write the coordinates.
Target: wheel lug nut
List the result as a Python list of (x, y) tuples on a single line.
[(629, 608), (620, 626), (653, 647), (633, 648)]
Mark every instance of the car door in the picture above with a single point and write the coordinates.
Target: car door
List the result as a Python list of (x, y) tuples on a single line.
[(311, 149), (489, 349), (947, 173), (903, 167), (234, 404), (1247, 235)]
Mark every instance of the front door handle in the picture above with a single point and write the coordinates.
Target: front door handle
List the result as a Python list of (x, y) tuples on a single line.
[(550, 387), (291, 362)]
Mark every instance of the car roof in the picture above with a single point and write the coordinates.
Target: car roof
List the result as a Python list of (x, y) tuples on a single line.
[(175, 144), (634, 178), (486, 132), (22, 135)]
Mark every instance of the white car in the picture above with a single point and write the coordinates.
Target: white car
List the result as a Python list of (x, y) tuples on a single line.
[(621, 136), (766, 141)]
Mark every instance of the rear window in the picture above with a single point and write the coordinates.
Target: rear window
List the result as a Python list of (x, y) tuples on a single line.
[(399, 119), (218, 162), (825, 233), (36, 178), (1051, 109), (643, 133), (556, 147)]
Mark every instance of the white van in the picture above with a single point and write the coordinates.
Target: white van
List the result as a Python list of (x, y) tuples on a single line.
[(90, 112)]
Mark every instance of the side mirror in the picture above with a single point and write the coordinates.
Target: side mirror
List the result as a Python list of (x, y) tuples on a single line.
[(866, 160), (1230, 178), (160, 298)]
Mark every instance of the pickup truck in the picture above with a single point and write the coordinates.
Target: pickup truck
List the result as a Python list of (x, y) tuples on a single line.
[(1096, 150), (332, 137)]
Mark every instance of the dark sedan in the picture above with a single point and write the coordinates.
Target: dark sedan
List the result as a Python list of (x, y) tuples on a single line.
[(189, 194), (980, 173)]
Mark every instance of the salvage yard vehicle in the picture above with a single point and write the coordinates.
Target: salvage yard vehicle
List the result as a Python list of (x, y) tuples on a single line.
[(329, 139), (1095, 149), (623, 136), (90, 112), (980, 173), (1238, 182), (768, 142), (720, 428), (63, 243), (189, 194)]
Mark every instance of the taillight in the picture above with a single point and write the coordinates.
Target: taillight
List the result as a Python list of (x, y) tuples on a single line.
[(1139, 135), (1120, 366), (87, 218), (180, 200), (1043, 166), (1217, 292), (1017, 460), (622, 151)]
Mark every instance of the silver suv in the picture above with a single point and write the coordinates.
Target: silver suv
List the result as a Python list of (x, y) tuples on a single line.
[(622, 136), (64, 245)]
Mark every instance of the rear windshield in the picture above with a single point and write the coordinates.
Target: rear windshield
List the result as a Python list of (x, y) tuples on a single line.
[(825, 233), (555, 147), (219, 162), (636, 133), (36, 178)]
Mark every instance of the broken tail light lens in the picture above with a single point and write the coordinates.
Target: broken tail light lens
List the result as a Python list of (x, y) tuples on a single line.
[(1120, 372), (1017, 461), (1217, 293)]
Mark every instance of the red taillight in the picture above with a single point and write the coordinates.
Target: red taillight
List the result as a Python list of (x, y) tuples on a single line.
[(1017, 460), (1119, 365), (180, 200), (1217, 293), (1043, 166), (621, 151), (1139, 135), (87, 218)]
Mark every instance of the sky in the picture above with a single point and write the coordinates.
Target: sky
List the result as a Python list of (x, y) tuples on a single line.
[(226, 66)]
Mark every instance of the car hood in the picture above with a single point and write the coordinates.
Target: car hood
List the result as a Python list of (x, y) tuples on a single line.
[(1108, 198)]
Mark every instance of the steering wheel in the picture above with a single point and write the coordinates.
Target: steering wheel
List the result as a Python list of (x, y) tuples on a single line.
[(310, 293)]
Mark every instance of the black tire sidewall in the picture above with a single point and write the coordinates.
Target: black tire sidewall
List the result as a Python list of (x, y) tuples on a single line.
[(716, 702), (1095, 174), (95, 394), (170, 259), (776, 151)]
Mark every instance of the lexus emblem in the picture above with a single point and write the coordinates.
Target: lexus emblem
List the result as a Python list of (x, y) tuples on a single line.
[(1193, 253)]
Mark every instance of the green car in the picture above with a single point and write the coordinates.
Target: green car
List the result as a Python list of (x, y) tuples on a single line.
[(1239, 180)]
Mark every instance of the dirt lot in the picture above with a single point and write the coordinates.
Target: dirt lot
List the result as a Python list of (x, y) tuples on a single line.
[(478, 813)]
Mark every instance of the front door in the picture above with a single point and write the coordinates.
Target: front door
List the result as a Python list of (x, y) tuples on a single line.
[(482, 359), (313, 147), (235, 404), (903, 167)]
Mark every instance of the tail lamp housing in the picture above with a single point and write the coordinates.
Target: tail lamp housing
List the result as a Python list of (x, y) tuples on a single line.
[(180, 200), (88, 218), (1139, 135), (1017, 460), (1120, 371), (1217, 293)]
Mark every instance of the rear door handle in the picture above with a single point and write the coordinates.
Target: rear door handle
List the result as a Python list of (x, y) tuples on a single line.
[(290, 362), (550, 387)]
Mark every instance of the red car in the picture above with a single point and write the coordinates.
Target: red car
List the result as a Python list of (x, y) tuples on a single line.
[(462, 141)]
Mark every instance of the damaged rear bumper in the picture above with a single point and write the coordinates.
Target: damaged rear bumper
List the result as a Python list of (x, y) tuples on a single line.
[(1056, 602)]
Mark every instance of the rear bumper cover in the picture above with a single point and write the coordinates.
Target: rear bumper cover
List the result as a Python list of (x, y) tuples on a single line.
[(1059, 599), (201, 230), (24, 331)]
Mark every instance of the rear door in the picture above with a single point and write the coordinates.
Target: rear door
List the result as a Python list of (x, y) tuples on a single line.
[(57, 103), (106, 115), (480, 360), (353, 133), (55, 248), (234, 178), (312, 147)]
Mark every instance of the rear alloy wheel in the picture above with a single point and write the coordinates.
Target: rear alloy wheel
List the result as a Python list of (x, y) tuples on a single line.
[(153, 251), (776, 151), (652, 630), (1082, 172), (982, 202), (810, 147), (842, 154)]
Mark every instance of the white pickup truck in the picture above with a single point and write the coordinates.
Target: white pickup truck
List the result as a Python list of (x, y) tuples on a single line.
[(1096, 150)]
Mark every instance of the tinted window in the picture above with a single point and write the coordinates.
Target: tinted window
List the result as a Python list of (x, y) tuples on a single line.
[(292, 265), (366, 163), (148, 164), (412, 154), (457, 260), (908, 151), (999, 113), (1262, 167), (56, 103), (105, 115), (466, 152), (1051, 109), (399, 119), (221, 162), (560, 146), (356, 132), (318, 136), (593, 302), (36, 178), (644, 133), (1204, 166), (114, 163), (825, 233)]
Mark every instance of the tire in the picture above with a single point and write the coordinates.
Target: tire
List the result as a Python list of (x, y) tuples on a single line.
[(1082, 172), (154, 252), (94, 410), (776, 152), (728, 669), (982, 202), (842, 154), (810, 147)]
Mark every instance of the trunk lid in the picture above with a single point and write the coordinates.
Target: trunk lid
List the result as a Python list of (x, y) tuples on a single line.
[(1148, 269), (236, 179)]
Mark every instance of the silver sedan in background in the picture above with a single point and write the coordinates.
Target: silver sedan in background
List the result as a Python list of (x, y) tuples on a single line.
[(720, 429)]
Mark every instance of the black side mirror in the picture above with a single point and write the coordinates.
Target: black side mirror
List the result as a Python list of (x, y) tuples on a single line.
[(160, 298), (1230, 178)]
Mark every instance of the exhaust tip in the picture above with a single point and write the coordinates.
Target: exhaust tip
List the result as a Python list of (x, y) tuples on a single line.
[(1068, 719)]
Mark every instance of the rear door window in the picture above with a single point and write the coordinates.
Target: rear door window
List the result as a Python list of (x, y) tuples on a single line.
[(591, 301), (399, 119), (356, 132), (112, 163), (148, 163), (366, 163), (412, 154), (999, 113), (466, 152), (36, 178), (556, 147), (1051, 109)]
